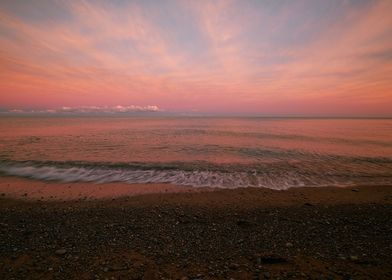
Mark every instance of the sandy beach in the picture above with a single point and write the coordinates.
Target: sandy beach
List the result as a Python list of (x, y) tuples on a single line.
[(83, 231)]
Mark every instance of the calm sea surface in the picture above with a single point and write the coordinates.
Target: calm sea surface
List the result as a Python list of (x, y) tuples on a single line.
[(276, 153)]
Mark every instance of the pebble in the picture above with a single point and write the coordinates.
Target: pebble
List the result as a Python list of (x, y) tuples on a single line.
[(234, 266), (342, 257), (60, 252), (353, 258)]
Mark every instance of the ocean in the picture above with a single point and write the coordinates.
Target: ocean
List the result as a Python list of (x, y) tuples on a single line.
[(276, 153)]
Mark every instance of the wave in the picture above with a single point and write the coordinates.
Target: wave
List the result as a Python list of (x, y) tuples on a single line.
[(275, 136), (274, 175)]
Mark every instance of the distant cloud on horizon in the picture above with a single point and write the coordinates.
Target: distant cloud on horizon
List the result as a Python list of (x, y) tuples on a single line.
[(89, 110)]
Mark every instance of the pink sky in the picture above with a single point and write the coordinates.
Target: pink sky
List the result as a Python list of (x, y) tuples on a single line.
[(248, 57)]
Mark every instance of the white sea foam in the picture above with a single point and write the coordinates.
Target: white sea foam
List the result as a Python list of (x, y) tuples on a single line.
[(278, 180)]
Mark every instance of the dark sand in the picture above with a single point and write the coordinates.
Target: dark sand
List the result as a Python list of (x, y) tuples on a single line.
[(87, 231)]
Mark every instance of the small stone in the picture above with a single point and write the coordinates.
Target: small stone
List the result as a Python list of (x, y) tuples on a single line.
[(343, 258), (272, 259), (60, 252), (353, 258), (355, 190), (289, 245), (245, 224)]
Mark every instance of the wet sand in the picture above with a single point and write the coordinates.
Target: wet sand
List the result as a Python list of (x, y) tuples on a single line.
[(87, 231), (19, 188)]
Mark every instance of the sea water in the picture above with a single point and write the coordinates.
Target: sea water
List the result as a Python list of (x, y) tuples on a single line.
[(223, 152)]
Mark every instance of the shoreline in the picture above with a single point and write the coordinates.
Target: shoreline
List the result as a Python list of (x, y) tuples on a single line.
[(248, 233), (32, 190)]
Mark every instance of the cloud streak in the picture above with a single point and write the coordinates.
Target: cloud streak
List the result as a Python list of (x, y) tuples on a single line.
[(257, 57), (89, 110)]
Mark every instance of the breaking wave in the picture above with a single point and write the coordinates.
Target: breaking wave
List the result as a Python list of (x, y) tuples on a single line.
[(274, 175)]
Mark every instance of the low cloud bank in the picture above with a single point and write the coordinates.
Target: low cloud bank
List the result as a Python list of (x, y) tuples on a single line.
[(89, 110)]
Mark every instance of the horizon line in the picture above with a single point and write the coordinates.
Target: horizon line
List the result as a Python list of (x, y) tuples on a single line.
[(186, 114)]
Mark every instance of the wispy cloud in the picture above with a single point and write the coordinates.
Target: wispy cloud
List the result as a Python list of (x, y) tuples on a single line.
[(241, 56)]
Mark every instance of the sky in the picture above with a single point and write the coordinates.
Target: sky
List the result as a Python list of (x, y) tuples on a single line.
[(330, 58)]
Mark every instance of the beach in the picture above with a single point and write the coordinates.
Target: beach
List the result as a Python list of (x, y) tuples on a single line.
[(195, 140), (174, 232)]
